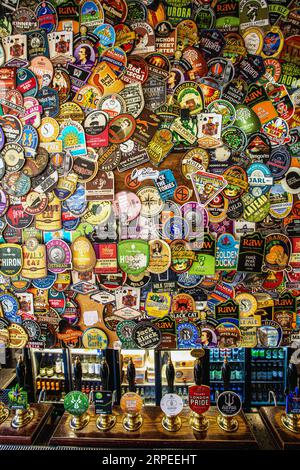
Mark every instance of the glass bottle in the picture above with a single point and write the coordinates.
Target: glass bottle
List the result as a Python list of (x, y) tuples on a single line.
[(281, 353), (85, 367), (91, 367), (43, 365), (97, 366), (275, 373), (50, 366), (58, 366), (280, 371), (253, 371), (261, 354)]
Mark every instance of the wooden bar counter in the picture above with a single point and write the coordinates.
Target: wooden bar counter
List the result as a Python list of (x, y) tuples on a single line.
[(283, 438), (27, 434), (152, 434)]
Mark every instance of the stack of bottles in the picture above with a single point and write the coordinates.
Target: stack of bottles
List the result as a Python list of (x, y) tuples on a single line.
[(267, 373), (51, 378)]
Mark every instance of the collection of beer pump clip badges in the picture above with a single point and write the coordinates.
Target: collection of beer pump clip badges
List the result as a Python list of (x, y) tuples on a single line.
[(149, 173)]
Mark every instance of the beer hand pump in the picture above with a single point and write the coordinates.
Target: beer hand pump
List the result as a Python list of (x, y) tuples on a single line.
[(291, 418), (105, 421), (228, 402), (198, 420), (171, 404), (76, 402), (131, 402), (23, 416)]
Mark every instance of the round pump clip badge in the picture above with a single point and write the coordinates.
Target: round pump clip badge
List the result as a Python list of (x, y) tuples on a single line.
[(171, 404), (94, 338), (59, 256), (229, 403), (13, 156)]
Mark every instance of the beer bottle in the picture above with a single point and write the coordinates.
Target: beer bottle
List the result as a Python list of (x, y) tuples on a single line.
[(97, 366), (48, 390), (85, 367), (57, 390), (91, 367), (52, 387), (43, 365), (63, 392), (50, 366), (58, 366)]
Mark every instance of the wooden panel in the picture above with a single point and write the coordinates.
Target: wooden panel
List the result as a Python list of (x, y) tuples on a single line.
[(6, 377), (27, 434), (283, 438), (152, 434)]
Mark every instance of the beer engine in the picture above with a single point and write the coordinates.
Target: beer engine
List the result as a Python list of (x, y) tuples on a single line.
[(228, 403), (131, 403), (199, 400), (106, 420), (23, 414), (171, 403), (291, 418)]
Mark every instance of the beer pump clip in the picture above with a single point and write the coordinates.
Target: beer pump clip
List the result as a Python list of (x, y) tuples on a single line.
[(105, 421), (291, 418), (171, 403), (76, 403), (228, 403)]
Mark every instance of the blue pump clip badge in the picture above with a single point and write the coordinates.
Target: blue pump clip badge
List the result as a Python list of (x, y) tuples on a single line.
[(30, 140), (188, 336), (166, 184), (10, 307)]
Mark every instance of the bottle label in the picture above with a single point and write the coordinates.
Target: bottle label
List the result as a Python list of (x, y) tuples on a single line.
[(50, 372)]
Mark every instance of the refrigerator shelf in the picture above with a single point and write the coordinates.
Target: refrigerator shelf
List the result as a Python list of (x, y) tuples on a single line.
[(232, 381), (266, 403), (54, 377), (87, 379), (53, 402), (266, 381), (266, 360), (220, 361)]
